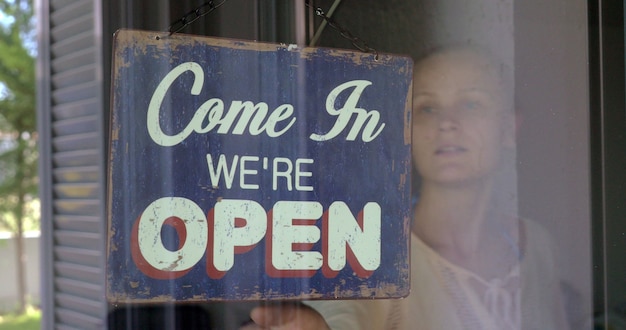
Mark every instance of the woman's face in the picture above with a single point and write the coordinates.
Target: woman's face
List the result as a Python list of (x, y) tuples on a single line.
[(460, 118)]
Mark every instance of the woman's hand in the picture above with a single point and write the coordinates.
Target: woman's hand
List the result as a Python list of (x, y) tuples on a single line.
[(286, 317)]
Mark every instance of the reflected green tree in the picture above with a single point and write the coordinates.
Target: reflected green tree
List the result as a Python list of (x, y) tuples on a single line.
[(18, 136)]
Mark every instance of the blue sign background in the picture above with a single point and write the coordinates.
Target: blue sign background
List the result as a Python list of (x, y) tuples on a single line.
[(354, 172)]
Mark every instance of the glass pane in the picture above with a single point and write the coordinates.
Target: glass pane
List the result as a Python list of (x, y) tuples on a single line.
[(500, 220), (542, 180)]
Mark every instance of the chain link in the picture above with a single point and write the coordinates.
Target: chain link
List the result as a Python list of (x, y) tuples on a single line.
[(357, 42), (209, 6), (190, 17)]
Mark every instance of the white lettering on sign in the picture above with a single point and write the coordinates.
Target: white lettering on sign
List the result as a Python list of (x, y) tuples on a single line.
[(256, 118), (237, 226), (216, 172), (239, 239), (249, 166), (286, 232), (253, 116), (369, 119), (195, 235), (300, 173), (359, 239)]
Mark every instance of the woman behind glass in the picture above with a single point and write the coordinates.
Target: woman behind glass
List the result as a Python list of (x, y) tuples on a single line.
[(474, 263)]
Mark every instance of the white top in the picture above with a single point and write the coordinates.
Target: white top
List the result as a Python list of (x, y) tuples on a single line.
[(446, 296)]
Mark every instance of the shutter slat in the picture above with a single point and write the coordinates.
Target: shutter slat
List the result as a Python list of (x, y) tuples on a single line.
[(71, 319), (78, 255), (78, 304), (77, 190), (57, 5), (76, 142), (74, 109), (85, 124), (75, 158), (79, 58), (77, 272), (69, 40), (61, 326), (78, 288), (67, 11), (75, 76), (76, 206), (75, 93), (83, 223), (76, 174), (77, 239)]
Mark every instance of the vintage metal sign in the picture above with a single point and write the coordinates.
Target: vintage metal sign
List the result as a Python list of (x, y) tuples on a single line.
[(244, 170)]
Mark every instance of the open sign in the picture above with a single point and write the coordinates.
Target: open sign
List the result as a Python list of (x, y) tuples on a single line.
[(236, 226), (243, 170)]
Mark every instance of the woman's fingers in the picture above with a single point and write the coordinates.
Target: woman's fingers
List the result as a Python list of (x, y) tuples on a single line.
[(287, 317)]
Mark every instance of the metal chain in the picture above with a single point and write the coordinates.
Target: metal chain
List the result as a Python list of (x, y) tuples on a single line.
[(190, 17), (357, 42), (209, 6)]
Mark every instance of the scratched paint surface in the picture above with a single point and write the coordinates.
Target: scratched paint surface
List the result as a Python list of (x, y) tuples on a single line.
[(283, 192)]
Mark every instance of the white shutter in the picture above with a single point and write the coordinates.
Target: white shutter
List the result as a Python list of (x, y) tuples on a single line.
[(72, 164)]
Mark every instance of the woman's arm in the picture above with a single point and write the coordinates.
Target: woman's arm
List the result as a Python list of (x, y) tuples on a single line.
[(322, 314)]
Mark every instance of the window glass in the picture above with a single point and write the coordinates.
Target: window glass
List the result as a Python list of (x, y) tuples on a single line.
[(544, 179), (501, 196)]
